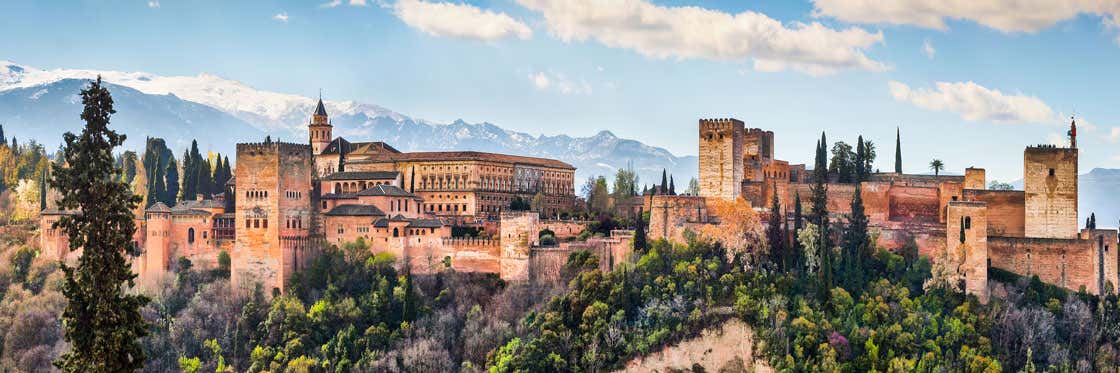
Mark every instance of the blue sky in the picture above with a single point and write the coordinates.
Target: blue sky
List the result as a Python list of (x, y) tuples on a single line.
[(991, 81)]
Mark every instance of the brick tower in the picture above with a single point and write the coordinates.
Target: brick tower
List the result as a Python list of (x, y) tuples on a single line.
[(1050, 188), (966, 243), (721, 158), (157, 245), (272, 215), (319, 129)]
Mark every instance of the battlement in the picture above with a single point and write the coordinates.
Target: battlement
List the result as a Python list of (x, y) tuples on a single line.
[(719, 123), (271, 147), (1048, 148), (469, 241)]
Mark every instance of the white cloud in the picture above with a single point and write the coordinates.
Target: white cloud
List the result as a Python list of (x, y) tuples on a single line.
[(974, 102), (928, 50), (694, 32), (335, 3), (1057, 139), (560, 83), (1005, 15), (1113, 134), (459, 20), (282, 17), (153, 4), (540, 80)]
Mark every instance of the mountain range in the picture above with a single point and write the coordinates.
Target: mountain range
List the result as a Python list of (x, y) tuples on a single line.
[(42, 104)]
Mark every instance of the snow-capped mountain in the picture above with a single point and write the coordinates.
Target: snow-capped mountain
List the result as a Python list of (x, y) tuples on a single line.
[(219, 112)]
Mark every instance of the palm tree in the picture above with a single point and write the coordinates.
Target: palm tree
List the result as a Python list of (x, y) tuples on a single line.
[(936, 165)]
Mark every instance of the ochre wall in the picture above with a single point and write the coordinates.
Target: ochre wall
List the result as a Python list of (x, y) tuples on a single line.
[(1068, 263), (1051, 200), (1005, 210)]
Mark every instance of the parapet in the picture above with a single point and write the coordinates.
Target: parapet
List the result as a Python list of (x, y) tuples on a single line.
[(720, 123), (272, 147)]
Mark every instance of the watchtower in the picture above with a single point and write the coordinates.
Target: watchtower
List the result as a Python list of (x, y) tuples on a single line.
[(721, 157), (1050, 190), (319, 129), (966, 244)]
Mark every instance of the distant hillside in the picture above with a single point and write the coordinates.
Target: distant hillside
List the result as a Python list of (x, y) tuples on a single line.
[(42, 104)]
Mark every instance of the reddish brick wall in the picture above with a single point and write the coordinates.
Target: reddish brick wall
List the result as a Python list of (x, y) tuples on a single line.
[(1005, 210), (916, 204), (1069, 263)]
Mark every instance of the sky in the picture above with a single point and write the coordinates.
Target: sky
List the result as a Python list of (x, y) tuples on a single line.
[(970, 83)]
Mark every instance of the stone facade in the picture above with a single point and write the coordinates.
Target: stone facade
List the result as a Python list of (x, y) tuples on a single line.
[(1050, 185), (721, 158), (966, 244)]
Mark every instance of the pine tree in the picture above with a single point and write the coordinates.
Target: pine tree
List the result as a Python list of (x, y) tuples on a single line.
[(102, 320), (898, 150), (856, 242), (672, 188), (172, 183), (775, 235), (640, 244)]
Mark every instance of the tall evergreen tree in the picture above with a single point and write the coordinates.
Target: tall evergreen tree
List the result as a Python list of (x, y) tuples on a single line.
[(775, 234), (819, 213), (205, 179), (795, 252), (861, 161), (189, 176), (172, 183), (102, 320), (898, 150), (2, 139), (640, 243), (672, 188), (855, 245), (158, 189), (43, 189), (664, 182)]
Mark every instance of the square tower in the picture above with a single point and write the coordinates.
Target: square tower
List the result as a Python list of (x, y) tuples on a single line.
[(721, 158), (272, 215), (966, 245), (1050, 189)]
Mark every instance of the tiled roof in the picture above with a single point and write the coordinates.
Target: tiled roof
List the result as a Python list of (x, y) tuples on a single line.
[(363, 175), (425, 223), (340, 145), (355, 210), (319, 109), (468, 156), (386, 190), (339, 196), (158, 207), (196, 204)]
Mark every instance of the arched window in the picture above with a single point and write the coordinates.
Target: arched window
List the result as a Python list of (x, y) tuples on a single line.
[(396, 233), (968, 222), (190, 235)]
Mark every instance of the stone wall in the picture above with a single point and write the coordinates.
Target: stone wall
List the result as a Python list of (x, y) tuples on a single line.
[(1069, 263), (1050, 186), (967, 245), (671, 216), (721, 157), (517, 234), (1005, 210), (975, 178)]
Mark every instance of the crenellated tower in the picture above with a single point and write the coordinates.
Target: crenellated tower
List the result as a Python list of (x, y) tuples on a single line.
[(721, 158), (319, 129)]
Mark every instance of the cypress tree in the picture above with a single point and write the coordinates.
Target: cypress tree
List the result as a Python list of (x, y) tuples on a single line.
[(819, 213), (775, 236), (672, 188), (205, 179), (856, 242), (898, 150), (861, 161), (102, 320), (189, 176), (2, 139), (43, 188), (172, 183), (664, 183), (640, 244), (795, 253), (158, 190)]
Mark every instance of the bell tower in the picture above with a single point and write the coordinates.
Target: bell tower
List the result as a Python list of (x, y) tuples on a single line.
[(319, 129)]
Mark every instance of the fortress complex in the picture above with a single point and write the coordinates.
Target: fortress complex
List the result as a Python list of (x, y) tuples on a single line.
[(290, 199), (1033, 231)]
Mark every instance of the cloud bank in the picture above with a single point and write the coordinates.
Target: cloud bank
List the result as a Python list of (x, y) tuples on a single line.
[(459, 21)]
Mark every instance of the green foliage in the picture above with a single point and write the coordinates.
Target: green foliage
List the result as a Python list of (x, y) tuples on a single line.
[(102, 320), (21, 263), (223, 264), (519, 204)]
